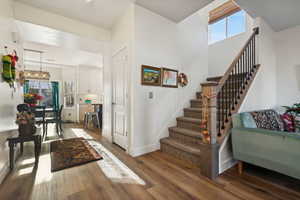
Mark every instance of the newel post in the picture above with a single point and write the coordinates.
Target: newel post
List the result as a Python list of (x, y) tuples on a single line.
[(209, 112), (210, 156)]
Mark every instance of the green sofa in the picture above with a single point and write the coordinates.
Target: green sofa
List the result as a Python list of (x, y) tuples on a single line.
[(271, 149)]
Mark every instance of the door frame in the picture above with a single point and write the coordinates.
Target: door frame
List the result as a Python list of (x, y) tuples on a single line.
[(127, 99)]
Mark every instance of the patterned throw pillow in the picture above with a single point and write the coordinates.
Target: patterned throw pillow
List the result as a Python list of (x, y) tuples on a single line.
[(275, 119), (289, 122), (268, 119), (261, 120)]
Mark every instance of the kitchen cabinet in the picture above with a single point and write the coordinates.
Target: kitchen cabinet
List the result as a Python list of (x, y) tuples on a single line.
[(89, 80)]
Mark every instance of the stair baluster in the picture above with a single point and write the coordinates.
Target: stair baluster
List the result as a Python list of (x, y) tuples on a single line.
[(234, 83)]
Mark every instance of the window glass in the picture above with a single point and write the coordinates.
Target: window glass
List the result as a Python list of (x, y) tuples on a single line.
[(218, 31), (43, 88), (236, 24), (227, 27)]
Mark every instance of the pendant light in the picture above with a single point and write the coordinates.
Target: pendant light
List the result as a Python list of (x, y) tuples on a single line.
[(34, 74)]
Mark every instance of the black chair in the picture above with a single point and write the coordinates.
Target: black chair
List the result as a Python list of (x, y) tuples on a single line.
[(39, 116), (98, 108), (23, 107), (57, 120)]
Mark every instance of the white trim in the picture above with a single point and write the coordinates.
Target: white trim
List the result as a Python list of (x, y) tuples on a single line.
[(145, 149), (120, 49), (227, 164), (4, 172)]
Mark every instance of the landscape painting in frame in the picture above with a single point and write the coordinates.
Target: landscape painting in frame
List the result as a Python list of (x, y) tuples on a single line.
[(151, 75), (169, 78)]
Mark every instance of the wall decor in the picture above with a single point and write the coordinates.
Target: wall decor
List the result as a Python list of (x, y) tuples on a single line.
[(182, 79), (151, 76), (9, 62), (69, 94), (169, 78)]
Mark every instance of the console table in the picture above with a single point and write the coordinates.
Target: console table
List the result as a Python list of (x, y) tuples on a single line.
[(12, 142)]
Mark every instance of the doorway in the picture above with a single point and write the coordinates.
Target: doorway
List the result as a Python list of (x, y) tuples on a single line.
[(119, 98)]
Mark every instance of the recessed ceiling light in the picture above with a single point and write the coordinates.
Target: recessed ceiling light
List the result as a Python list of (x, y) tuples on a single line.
[(88, 1)]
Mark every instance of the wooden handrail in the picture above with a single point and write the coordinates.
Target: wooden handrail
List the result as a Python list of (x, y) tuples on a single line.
[(227, 73), (234, 84)]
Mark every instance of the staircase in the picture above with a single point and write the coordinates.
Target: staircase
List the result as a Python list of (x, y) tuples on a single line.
[(199, 133), (185, 139)]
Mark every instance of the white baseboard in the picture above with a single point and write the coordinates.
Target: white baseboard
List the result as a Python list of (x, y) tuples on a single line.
[(4, 172), (227, 165), (144, 150)]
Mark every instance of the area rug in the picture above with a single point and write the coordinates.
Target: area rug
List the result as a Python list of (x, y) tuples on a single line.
[(71, 152)]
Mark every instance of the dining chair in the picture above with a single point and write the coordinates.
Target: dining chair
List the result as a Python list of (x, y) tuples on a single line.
[(57, 120), (39, 116)]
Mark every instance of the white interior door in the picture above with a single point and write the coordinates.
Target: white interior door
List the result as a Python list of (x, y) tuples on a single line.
[(119, 100)]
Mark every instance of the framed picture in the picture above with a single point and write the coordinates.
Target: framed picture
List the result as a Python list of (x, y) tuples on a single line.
[(151, 75), (169, 78)]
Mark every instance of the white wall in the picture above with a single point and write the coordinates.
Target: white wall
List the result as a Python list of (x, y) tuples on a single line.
[(288, 66), (222, 53), (8, 102), (193, 50), (162, 43), (155, 45), (38, 16), (262, 94)]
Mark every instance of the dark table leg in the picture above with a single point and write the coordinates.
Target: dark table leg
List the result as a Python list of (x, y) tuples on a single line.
[(11, 155), (37, 148), (21, 147)]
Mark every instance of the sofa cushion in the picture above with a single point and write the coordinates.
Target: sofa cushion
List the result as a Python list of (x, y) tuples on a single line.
[(248, 121), (268, 119), (288, 122)]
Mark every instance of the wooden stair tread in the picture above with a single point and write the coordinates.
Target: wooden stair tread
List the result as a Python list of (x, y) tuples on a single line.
[(193, 149), (193, 110), (189, 119), (215, 78), (186, 132), (196, 100), (210, 83)]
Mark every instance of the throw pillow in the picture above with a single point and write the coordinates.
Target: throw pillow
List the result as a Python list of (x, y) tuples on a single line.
[(268, 119), (289, 122), (248, 121), (261, 120)]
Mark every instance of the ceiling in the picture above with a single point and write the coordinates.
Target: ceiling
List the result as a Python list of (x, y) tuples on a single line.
[(59, 48), (58, 57), (98, 12), (175, 10), (104, 13), (278, 14), (44, 35)]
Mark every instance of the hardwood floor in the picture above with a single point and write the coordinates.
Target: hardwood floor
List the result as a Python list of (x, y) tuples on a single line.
[(165, 177)]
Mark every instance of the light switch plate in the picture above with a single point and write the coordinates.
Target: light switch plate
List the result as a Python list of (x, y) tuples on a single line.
[(151, 95)]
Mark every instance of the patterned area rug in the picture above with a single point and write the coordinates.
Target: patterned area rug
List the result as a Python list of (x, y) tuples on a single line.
[(71, 152)]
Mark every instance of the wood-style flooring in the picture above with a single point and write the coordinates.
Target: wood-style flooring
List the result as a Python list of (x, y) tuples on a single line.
[(166, 179)]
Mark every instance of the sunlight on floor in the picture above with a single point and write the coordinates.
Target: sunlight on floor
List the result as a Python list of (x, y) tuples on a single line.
[(28, 161), (27, 170), (44, 172), (111, 166)]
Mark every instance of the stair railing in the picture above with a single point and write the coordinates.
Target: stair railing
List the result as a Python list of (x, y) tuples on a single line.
[(234, 82), (223, 99)]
